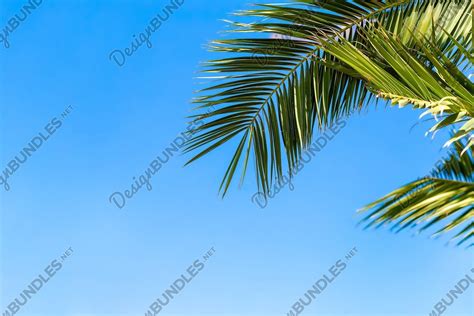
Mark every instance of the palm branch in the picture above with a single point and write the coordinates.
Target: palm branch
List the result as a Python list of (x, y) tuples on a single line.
[(272, 110), (444, 199), (330, 59)]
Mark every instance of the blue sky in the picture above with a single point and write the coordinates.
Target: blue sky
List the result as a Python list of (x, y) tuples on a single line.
[(122, 118)]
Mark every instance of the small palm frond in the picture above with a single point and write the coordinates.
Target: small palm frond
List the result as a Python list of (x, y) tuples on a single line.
[(444, 200), (272, 94)]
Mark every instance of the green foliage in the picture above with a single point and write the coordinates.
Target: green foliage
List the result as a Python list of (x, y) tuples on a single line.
[(324, 60), (444, 199)]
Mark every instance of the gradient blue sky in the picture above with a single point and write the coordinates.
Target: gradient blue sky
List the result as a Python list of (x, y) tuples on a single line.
[(122, 118)]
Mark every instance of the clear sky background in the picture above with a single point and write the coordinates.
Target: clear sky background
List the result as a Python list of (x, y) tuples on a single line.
[(122, 117)]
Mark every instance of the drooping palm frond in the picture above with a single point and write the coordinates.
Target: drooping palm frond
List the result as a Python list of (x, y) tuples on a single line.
[(274, 107), (444, 200)]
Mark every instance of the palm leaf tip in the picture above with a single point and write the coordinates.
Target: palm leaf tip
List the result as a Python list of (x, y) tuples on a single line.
[(442, 201)]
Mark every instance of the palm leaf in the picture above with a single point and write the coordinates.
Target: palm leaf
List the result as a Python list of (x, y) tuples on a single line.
[(430, 82), (275, 106), (444, 200)]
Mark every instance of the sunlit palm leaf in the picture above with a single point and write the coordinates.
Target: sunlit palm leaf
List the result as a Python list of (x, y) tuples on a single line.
[(405, 78), (276, 105), (444, 200)]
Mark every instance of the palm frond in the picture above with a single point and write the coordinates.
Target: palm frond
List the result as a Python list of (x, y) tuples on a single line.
[(275, 106), (444, 200)]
